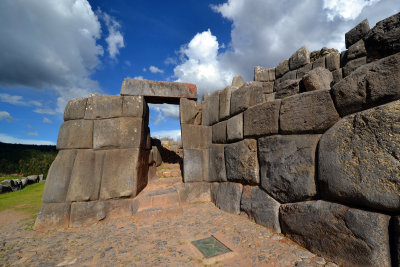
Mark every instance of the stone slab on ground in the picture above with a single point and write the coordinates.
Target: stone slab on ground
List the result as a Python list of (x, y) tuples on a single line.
[(348, 236), (369, 144), (260, 207), (287, 166), (53, 215), (159, 91)]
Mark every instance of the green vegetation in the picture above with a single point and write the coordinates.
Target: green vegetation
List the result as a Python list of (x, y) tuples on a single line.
[(28, 199), (2, 178), (26, 159)]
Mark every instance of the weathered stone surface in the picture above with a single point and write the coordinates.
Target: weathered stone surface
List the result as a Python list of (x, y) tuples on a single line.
[(260, 207), (287, 88), (217, 171), (210, 106), (127, 132), (194, 192), (134, 106), (383, 39), (225, 102), (86, 176), (117, 208), (262, 119), (319, 63), (356, 50), (300, 58), (287, 164), (241, 162), (318, 79), (262, 74), (357, 33), (337, 75), (269, 97), (121, 173), (396, 242), (237, 81), (156, 156), (259, 91), (196, 136), (303, 71), (75, 109), (75, 134), (282, 68), (347, 236), (333, 61), (190, 112), (86, 213), (219, 132), (52, 215), (195, 165), (291, 75), (359, 159), (353, 65), (234, 128), (343, 58), (103, 107), (311, 112), (370, 85), (240, 98), (159, 91), (226, 196), (58, 177)]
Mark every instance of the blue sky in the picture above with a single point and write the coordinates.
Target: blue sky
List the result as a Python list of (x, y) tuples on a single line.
[(52, 51)]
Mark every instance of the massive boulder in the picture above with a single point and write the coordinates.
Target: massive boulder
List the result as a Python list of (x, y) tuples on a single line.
[(359, 159), (226, 196), (370, 85), (190, 112), (347, 236), (287, 164), (261, 119), (318, 79), (357, 33), (300, 58)]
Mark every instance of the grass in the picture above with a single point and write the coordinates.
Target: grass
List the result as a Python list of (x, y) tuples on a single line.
[(2, 178), (28, 199)]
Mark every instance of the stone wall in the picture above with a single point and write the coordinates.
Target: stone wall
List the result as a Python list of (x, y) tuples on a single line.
[(102, 164), (310, 148)]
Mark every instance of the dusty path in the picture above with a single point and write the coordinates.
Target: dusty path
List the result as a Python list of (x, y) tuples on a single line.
[(152, 238)]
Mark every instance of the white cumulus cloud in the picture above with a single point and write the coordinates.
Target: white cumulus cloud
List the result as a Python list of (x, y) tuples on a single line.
[(174, 134), (4, 115), (154, 69), (115, 40), (346, 9), (47, 120), (164, 110)]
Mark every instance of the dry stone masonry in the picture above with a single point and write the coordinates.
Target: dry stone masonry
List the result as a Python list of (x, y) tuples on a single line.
[(310, 148)]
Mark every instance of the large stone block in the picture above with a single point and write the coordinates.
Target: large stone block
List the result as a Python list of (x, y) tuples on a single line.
[(356, 50), (347, 236), (262, 74), (86, 176), (75, 134), (337, 75), (259, 92), (291, 75), (311, 112), (122, 176), (353, 65), (287, 88), (134, 106), (318, 79), (127, 132), (217, 172), (195, 165), (241, 162), (196, 136), (190, 112), (86, 213), (287, 166), (58, 177), (225, 102), (383, 39), (75, 109), (52, 215), (370, 85), (226, 196), (194, 192), (260, 207), (103, 107), (240, 99), (303, 71), (282, 68), (159, 91), (359, 159), (300, 58), (210, 106), (219, 132), (357, 33), (237, 81), (234, 128), (155, 156), (262, 119), (333, 61), (319, 63)]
